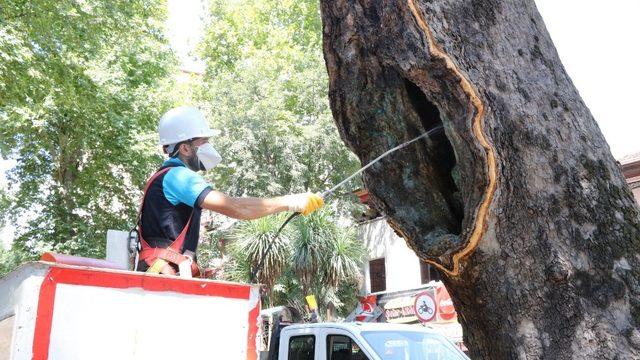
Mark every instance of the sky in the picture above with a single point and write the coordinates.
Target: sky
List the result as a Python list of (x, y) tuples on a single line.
[(185, 29), (597, 42)]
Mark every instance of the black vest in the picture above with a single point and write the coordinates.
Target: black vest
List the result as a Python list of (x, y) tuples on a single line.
[(162, 222)]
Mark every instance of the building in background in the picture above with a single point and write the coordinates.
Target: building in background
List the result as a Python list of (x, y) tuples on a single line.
[(631, 169), (391, 265)]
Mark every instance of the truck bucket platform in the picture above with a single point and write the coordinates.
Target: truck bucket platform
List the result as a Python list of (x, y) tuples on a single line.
[(55, 311)]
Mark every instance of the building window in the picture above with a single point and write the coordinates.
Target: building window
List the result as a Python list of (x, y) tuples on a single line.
[(377, 275), (428, 273)]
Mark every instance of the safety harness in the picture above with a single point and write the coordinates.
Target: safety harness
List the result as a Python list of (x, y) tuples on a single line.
[(172, 254)]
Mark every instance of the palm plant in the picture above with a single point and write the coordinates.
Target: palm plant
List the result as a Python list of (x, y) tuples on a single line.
[(313, 255), (342, 263), (311, 243), (250, 241), (326, 257)]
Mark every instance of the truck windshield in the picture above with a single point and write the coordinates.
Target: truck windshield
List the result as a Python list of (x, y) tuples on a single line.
[(414, 345)]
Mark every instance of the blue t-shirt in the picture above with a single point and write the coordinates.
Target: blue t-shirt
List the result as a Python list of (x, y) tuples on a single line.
[(171, 200), (181, 184)]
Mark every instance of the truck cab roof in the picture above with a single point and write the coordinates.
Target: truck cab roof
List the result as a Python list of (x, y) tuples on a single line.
[(357, 327)]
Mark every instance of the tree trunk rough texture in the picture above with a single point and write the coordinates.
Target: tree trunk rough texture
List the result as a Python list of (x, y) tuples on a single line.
[(517, 200)]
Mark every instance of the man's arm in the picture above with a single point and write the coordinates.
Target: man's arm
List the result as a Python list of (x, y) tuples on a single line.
[(248, 208)]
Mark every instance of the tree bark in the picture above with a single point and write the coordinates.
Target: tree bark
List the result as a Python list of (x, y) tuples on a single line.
[(518, 201)]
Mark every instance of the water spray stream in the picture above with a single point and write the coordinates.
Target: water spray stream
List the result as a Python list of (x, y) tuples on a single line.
[(372, 162)]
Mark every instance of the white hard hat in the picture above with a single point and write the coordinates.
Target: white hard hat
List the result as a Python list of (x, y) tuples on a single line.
[(183, 123)]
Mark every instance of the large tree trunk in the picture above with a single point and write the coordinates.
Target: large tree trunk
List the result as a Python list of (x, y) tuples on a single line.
[(518, 201)]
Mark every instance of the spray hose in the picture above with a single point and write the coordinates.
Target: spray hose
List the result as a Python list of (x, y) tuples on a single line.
[(328, 193)]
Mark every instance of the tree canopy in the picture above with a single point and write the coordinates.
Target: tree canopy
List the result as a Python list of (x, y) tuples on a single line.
[(82, 87), (265, 89)]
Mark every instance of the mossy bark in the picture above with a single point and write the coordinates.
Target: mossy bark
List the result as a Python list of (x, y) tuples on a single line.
[(518, 200)]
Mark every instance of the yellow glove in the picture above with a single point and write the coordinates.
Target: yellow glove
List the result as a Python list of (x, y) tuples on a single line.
[(314, 202), (304, 203), (157, 266)]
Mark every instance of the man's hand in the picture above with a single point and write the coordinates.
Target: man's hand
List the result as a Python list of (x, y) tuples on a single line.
[(304, 203)]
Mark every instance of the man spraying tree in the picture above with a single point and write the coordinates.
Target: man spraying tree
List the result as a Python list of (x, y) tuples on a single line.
[(169, 218)]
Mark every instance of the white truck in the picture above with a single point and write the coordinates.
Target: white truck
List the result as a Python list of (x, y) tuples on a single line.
[(362, 341), (70, 308)]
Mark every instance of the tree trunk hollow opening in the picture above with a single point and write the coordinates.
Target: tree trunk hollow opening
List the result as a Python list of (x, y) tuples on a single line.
[(440, 157)]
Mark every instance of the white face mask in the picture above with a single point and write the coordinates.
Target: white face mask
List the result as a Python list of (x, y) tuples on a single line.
[(208, 156)]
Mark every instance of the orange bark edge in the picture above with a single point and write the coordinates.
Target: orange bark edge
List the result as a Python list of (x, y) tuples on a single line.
[(480, 223)]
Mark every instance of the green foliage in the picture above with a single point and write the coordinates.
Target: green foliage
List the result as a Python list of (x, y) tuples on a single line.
[(5, 204), (312, 256), (251, 240), (341, 263), (82, 88), (313, 243), (9, 260), (266, 89), (325, 252)]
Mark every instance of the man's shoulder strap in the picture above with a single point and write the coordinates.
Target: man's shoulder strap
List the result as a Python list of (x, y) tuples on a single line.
[(153, 177)]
